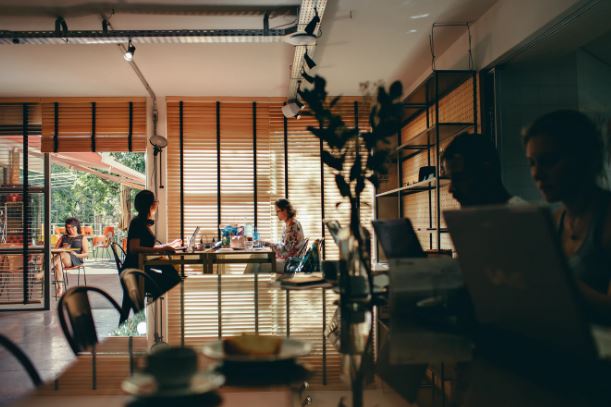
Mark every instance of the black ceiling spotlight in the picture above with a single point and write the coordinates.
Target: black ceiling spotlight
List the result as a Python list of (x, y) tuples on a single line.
[(309, 61), (61, 27), (305, 37), (308, 78), (129, 54)]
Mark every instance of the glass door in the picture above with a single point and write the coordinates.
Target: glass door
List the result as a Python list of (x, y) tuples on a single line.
[(24, 186)]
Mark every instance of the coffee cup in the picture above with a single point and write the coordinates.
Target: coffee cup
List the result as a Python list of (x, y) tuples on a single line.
[(172, 367)]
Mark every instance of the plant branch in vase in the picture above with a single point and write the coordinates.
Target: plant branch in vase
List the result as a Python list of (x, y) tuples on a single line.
[(356, 158)]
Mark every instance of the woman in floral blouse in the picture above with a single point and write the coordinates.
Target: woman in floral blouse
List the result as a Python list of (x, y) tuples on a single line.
[(292, 233)]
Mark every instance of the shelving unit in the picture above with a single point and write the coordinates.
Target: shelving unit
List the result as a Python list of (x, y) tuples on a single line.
[(442, 95)]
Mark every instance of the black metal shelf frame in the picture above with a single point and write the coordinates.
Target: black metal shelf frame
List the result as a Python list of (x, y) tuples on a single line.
[(426, 99)]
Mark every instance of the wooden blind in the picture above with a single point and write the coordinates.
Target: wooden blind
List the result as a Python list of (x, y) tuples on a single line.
[(100, 124), (286, 166), (221, 140)]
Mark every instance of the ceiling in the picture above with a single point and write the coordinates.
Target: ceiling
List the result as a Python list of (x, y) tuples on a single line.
[(361, 40)]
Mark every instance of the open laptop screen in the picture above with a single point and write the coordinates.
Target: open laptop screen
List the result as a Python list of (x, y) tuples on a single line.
[(398, 238)]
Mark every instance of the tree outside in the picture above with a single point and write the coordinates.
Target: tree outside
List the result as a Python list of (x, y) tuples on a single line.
[(92, 200)]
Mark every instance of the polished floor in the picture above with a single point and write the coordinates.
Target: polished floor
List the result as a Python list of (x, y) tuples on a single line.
[(39, 334)]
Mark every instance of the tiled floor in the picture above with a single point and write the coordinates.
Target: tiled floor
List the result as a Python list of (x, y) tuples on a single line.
[(39, 334)]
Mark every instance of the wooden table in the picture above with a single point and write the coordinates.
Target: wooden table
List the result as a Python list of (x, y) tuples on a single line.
[(208, 258)]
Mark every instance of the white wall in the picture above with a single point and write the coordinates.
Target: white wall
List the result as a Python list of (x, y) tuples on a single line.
[(594, 94), (506, 25), (524, 92)]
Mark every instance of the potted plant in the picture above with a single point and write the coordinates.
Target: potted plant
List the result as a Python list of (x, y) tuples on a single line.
[(357, 157)]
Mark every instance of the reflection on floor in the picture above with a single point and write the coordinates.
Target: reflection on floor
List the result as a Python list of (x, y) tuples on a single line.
[(39, 335)]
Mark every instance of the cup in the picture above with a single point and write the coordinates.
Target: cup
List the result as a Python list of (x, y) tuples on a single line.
[(172, 367)]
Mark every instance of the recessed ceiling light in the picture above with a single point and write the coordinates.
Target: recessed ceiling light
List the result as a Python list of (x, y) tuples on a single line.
[(418, 16), (412, 31)]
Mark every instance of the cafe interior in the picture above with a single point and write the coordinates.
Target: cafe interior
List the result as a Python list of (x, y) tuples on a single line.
[(345, 203)]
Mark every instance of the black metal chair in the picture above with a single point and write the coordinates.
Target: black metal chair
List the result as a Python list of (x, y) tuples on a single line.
[(119, 255), (79, 328), (134, 283), (22, 358)]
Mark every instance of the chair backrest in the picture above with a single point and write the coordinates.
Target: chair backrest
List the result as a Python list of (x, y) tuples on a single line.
[(22, 358), (87, 230), (60, 230), (79, 327), (133, 281), (119, 255), (109, 232), (304, 248)]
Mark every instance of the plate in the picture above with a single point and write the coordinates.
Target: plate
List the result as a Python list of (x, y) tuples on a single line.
[(144, 385), (290, 349)]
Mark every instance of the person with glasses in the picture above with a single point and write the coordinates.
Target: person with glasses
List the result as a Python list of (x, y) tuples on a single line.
[(472, 165), (78, 246)]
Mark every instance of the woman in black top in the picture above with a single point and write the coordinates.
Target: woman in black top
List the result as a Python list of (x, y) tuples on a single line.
[(566, 155), (71, 239), (141, 239)]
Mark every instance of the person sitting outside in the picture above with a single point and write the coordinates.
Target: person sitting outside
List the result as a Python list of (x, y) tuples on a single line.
[(472, 164), (72, 239)]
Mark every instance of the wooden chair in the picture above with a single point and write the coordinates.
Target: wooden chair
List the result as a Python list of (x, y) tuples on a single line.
[(22, 358), (79, 328)]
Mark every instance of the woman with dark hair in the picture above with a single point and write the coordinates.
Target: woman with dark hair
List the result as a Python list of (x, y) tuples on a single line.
[(565, 153), (71, 239), (141, 239), (292, 233)]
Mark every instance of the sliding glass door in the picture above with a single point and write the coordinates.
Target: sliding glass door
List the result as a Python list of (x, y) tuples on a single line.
[(24, 186)]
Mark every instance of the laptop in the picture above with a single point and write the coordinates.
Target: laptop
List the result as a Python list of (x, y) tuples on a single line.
[(519, 279), (398, 238), (191, 243)]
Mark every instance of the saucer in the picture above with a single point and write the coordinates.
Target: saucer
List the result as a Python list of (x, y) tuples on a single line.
[(145, 385)]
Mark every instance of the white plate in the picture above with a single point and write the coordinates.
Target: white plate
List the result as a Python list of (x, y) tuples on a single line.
[(144, 385), (290, 349)]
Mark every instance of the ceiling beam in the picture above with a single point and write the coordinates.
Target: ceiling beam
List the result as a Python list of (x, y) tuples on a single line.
[(79, 10), (146, 36)]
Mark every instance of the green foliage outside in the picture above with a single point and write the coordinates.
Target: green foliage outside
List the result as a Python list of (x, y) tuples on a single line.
[(89, 198)]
